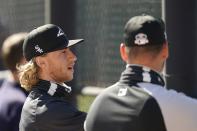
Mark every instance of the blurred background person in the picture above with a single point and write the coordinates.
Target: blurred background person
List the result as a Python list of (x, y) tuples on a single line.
[(12, 96)]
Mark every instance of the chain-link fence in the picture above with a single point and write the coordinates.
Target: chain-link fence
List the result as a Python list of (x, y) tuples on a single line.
[(101, 23), (19, 15)]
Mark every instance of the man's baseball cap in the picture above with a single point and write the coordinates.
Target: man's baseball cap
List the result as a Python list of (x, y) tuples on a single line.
[(45, 39), (144, 30)]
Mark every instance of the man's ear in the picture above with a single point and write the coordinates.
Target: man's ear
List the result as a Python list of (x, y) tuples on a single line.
[(123, 52), (40, 62), (165, 52)]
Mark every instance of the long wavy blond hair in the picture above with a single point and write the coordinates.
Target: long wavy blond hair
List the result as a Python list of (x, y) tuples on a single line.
[(28, 74)]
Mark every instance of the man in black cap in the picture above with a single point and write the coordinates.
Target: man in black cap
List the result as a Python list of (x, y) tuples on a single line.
[(139, 101), (50, 64)]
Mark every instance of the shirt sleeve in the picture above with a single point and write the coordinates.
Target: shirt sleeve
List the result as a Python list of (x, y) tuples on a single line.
[(179, 111), (17, 115), (151, 118)]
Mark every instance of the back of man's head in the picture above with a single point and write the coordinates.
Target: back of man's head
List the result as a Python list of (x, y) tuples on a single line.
[(144, 33), (144, 30), (12, 53)]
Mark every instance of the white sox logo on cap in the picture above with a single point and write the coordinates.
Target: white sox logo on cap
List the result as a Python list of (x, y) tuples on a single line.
[(60, 32), (38, 49)]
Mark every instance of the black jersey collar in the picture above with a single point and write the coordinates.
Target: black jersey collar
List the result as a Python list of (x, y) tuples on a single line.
[(53, 89), (134, 74)]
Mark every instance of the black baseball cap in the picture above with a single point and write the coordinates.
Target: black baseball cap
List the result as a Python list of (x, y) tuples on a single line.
[(144, 30), (45, 39)]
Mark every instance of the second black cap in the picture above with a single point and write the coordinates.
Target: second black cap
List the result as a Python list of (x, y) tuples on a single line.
[(144, 30)]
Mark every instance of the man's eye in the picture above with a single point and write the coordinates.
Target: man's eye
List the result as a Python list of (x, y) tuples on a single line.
[(63, 51)]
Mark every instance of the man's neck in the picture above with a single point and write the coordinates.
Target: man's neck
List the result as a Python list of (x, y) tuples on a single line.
[(147, 63)]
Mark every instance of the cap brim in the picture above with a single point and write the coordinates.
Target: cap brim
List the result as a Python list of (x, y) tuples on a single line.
[(73, 42)]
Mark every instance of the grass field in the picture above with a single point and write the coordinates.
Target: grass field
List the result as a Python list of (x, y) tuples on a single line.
[(84, 102)]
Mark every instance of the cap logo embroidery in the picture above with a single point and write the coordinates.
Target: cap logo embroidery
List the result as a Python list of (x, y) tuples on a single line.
[(60, 33), (141, 39), (38, 49)]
